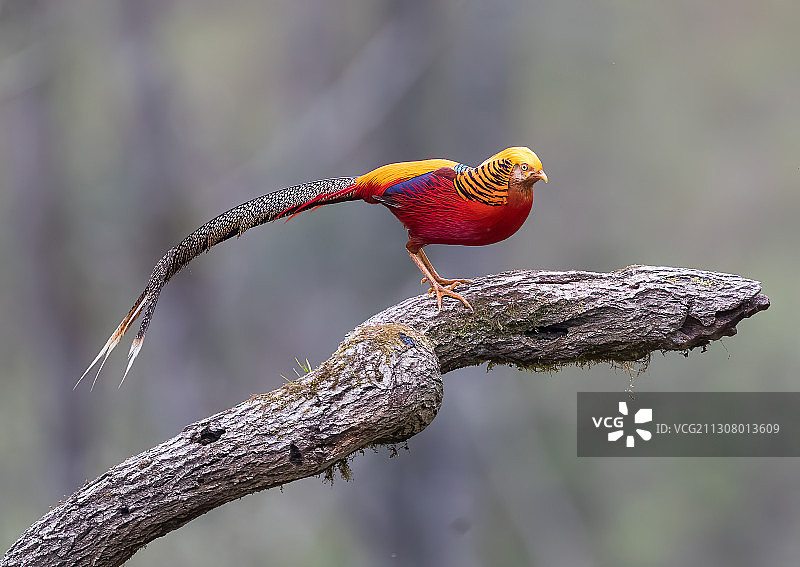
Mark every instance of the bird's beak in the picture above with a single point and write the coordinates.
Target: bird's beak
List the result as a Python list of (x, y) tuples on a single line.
[(540, 175)]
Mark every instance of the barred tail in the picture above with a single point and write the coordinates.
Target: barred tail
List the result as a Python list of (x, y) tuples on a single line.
[(284, 203)]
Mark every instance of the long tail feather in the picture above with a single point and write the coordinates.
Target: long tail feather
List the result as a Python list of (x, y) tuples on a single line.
[(284, 203), (113, 340), (136, 346)]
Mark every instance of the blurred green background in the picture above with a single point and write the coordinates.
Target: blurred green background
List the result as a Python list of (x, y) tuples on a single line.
[(671, 135)]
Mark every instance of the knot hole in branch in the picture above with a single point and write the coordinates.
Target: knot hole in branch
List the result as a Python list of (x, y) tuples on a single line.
[(207, 435)]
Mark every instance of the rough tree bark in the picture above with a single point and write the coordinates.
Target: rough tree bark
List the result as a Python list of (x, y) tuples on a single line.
[(382, 386)]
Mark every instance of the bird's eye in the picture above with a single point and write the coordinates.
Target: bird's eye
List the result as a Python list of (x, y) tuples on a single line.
[(524, 167)]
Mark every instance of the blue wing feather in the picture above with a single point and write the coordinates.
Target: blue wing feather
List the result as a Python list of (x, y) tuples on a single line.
[(410, 186)]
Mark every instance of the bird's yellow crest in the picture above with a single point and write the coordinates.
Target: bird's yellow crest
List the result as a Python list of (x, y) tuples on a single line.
[(518, 154)]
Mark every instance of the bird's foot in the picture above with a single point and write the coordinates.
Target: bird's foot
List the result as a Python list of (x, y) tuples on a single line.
[(439, 286), (445, 287)]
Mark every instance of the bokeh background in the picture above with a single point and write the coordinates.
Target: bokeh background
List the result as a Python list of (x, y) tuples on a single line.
[(671, 135)]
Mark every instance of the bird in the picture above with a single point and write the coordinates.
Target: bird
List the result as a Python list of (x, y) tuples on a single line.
[(439, 201)]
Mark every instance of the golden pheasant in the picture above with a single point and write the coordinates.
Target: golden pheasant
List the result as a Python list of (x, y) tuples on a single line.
[(438, 200)]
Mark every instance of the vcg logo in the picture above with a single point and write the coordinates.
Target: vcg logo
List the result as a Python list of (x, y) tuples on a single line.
[(616, 424)]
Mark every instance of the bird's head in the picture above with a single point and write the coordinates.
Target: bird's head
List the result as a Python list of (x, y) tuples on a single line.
[(526, 165)]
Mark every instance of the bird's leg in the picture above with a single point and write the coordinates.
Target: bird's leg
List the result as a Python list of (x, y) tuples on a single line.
[(449, 284), (439, 286)]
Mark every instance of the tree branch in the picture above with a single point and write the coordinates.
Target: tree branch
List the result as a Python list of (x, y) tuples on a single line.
[(383, 385)]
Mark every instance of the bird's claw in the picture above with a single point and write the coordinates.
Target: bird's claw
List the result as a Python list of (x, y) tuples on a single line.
[(447, 289)]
